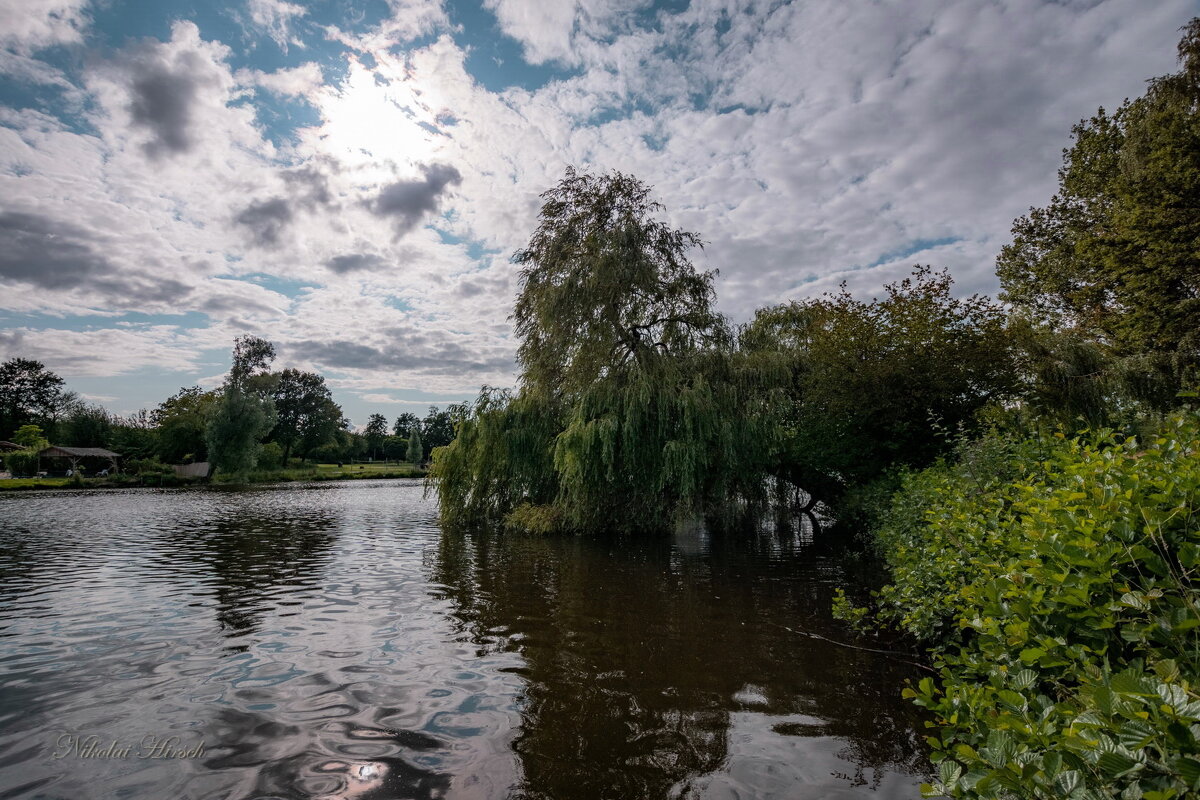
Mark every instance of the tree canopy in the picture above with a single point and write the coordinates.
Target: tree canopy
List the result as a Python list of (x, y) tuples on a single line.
[(1116, 253), (244, 413)]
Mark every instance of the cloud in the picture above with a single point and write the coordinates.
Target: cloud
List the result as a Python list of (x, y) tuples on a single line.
[(445, 357), (30, 25), (407, 202), (49, 254), (354, 262), (266, 220), (275, 18)]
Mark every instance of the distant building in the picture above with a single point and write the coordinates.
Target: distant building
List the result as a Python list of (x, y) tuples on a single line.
[(77, 454)]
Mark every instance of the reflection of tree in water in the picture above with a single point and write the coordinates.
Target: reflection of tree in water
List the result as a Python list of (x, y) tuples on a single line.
[(638, 652), (253, 560)]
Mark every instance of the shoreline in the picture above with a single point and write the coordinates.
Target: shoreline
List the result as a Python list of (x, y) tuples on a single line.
[(17, 485)]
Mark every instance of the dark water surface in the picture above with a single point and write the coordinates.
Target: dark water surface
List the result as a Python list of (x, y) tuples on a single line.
[(328, 641)]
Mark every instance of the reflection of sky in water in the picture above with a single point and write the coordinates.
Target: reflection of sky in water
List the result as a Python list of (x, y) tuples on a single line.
[(330, 642)]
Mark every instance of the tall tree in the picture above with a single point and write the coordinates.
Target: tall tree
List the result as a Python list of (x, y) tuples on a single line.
[(630, 410), (86, 426), (604, 284), (244, 414), (29, 393), (1116, 253), (306, 416), (436, 430), (415, 449), (182, 420), (375, 432), (405, 424)]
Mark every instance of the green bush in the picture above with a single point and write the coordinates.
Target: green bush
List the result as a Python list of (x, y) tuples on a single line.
[(148, 466), (270, 456), (21, 463), (1056, 579)]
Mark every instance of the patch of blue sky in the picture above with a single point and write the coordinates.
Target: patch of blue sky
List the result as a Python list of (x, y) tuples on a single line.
[(187, 320), (495, 60), (911, 249), (288, 287), (475, 248)]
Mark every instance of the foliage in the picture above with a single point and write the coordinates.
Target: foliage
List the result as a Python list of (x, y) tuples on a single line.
[(29, 393), (21, 463), (871, 382), (375, 432), (538, 520), (1114, 253), (306, 416), (1058, 579), (31, 437), (181, 421), (415, 450), (86, 426), (244, 413), (604, 284), (436, 430), (404, 425), (147, 467), (270, 456), (633, 407)]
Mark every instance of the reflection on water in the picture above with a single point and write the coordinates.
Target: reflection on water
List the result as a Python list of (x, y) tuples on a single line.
[(329, 641)]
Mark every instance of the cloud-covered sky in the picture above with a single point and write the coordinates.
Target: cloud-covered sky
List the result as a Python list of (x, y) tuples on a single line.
[(348, 178)]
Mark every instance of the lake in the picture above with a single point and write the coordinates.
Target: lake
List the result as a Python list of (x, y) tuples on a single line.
[(330, 641)]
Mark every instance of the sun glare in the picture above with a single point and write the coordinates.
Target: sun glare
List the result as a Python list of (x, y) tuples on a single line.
[(378, 116)]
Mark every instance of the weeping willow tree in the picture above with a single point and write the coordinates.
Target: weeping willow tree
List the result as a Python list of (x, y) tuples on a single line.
[(634, 407)]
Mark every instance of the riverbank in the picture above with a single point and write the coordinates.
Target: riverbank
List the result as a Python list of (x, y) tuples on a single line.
[(315, 472)]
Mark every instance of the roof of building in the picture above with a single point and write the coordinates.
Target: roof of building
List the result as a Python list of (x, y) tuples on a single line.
[(77, 452), (10, 445)]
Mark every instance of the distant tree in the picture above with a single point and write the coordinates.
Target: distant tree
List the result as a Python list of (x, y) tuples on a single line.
[(1116, 253), (31, 437), (182, 421), (244, 414), (29, 393), (415, 451), (436, 430), (86, 426), (375, 432), (135, 436), (404, 425), (306, 414)]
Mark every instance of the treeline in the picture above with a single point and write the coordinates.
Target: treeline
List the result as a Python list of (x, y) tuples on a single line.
[(258, 419), (638, 404)]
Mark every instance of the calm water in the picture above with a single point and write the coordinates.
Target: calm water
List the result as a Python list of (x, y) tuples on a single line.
[(328, 641)]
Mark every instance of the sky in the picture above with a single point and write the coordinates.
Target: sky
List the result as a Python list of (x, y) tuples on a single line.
[(349, 178)]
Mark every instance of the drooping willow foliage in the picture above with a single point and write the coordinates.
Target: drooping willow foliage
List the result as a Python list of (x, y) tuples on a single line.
[(634, 406)]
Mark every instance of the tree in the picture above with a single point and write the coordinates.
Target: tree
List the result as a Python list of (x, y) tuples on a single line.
[(604, 285), (436, 430), (870, 382), (306, 414), (1115, 253), (404, 425), (244, 414), (375, 432), (415, 449), (86, 426), (29, 393), (31, 437), (182, 420), (630, 409)]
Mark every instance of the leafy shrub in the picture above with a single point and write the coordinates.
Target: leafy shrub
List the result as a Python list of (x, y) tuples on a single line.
[(1057, 579), (21, 463), (148, 466), (541, 520), (270, 456)]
